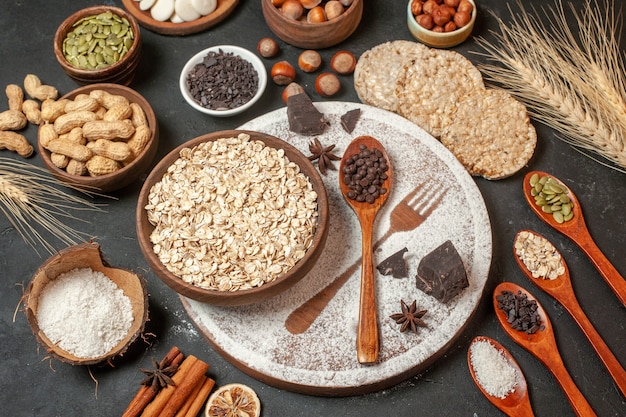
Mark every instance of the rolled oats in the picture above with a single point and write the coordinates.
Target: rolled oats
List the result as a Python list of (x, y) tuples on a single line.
[(232, 214), (539, 255)]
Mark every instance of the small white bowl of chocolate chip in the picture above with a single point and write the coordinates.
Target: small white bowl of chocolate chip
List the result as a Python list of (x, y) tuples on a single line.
[(223, 80)]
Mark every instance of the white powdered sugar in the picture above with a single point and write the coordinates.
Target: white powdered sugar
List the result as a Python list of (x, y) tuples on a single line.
[(84, 312), (323, 358), (492, 370)]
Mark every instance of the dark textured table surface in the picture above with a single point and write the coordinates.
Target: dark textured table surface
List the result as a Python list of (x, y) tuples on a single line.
[(33, 385)]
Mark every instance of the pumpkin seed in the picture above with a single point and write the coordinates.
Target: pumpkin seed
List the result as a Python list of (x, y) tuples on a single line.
[(98, 41), (551, 197)]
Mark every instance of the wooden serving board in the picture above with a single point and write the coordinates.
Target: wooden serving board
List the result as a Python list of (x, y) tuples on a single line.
[(224, 8), (322, 360)]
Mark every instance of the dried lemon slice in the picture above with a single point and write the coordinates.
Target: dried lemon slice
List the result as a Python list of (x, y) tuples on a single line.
[(233, 400)]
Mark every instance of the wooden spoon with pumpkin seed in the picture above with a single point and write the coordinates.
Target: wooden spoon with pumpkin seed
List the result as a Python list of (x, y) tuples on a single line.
[(574, 228)]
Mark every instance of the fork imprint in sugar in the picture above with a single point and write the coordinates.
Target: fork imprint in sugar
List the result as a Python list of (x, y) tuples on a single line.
[(407, 215)]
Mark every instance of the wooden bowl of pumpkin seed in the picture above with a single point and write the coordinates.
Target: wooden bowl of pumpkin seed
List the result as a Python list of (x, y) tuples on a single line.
[(99, 44)]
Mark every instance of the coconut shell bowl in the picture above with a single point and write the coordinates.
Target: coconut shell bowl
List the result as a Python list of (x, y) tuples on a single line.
[(86, 255), (240, 296)]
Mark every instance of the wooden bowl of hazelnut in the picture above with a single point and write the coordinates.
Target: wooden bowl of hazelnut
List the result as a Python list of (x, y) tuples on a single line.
[(441, 23), (98, 137), (312, 24)]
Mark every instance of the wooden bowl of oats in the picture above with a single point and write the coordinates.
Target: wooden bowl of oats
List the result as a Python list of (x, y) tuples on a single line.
[(232, 217)]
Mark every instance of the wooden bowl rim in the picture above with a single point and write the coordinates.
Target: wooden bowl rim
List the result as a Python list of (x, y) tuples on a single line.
[(88, 255), (247, 296), (223, 10), (112, 70), (149, 150), (299, 23)]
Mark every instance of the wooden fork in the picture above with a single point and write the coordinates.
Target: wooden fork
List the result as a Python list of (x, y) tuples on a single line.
[(407, 215)]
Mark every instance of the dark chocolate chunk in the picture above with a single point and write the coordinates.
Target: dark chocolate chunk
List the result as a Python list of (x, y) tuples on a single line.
[(303, 117), (441, 273), (349, 120), (394, 265)]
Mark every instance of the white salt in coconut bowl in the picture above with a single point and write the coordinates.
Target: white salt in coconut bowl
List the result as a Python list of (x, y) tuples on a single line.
[(86, 255)]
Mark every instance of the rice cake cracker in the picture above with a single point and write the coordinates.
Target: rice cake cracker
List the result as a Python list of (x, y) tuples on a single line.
[(491, 134), (429, 89), (378, 69)]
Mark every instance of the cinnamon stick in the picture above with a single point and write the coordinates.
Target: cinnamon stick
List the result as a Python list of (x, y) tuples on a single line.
[(182, 390), (145, 394), (183, 408), (200, 398), (154, 408)]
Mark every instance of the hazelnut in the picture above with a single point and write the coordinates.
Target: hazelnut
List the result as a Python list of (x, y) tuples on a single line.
[(333, 9), (277, 3), (292, 9), (309, 61), (267, 47), (425, 21), (283, 73), (343, 62), (291, 90), (429, 6), (441, 15), (416, 7), (327, 84), (465, 6), (461, 19), (316, 15), (309, 4), (437, 29), (450, 27), (452, 3)]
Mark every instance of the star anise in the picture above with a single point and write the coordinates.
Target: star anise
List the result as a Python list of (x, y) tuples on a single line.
[(160, 376), (323, 155), (410, 318)]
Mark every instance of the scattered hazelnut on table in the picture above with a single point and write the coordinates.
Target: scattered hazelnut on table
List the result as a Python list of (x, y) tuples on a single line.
[(327, 84), (267, 47), (283, 73), (309, 60), (343, 62)]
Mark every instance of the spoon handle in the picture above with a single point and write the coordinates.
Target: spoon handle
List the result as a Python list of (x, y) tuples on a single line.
[(604, 266), (574, 396), (367, 334), (606, 356)]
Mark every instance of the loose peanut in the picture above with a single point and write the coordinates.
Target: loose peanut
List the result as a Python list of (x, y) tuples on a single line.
[(15, 94), (69, 121), (37, 90), (31, 110), (108, 100), (102, 129), (51, 109), (138, 141), (75, 167), (100, 165), (46, 134), (139, 116), (119, 111), (70, 149), (59, 161), (12, 120), (118, 151), (87, 103), (15, 142)]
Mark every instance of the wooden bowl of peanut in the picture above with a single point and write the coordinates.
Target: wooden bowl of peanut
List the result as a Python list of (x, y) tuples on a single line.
[(99, 44), (98, 137), (248, 211), (312, 24)]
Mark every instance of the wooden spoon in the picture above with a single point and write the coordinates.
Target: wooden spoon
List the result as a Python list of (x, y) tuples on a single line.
[(367, 343), (543, 346), (577, 231), (516, 403), (561, 289)]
